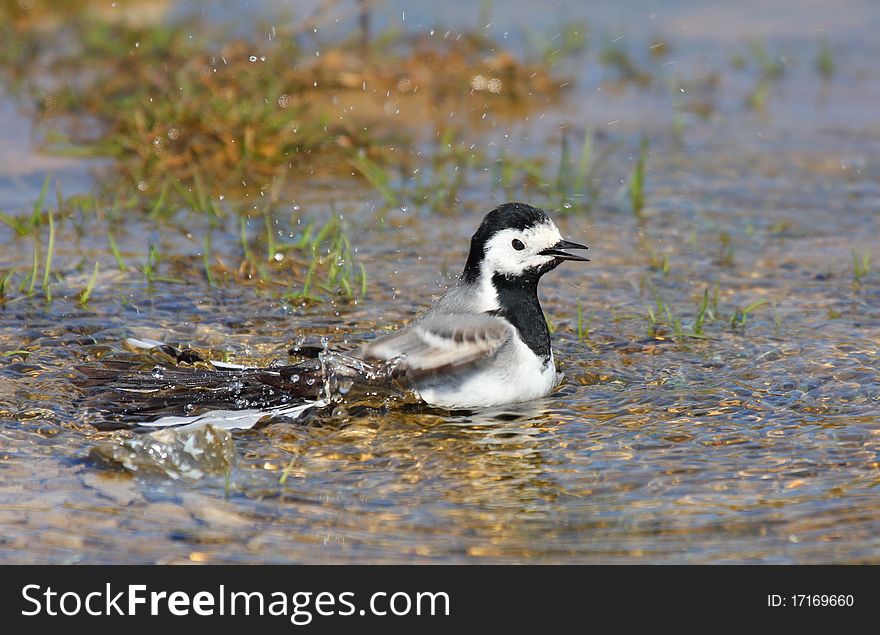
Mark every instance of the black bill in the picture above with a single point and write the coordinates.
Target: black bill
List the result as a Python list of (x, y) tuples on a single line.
[(558, 251)]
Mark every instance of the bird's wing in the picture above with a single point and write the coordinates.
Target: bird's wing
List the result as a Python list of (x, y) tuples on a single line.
[(441, 343)]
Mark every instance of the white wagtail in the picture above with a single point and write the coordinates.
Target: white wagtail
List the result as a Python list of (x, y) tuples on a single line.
[(483, 343), (486, 342)]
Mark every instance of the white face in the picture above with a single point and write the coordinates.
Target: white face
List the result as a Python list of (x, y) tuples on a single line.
[(502, 255)]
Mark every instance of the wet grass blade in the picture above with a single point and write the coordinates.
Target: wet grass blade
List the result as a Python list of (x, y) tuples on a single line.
[(271, 243), (87, 292), (4, 285), (583, 326), (18, 225), (38, 204), (48, 266), (377, 177), (551, 326), (740, 317), (637, 180), (36, 266), (15, 352), (825, 60), (861, 265), (363, 279), (702, 313), (285, 474), (115, 250)]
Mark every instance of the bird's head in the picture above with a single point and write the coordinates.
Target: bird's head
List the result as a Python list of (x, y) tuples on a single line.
[(516, 241)]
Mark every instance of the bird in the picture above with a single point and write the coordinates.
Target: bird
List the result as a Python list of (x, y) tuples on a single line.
[(485, 342)]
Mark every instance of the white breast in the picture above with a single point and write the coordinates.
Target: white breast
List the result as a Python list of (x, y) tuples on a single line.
[(515, 374)]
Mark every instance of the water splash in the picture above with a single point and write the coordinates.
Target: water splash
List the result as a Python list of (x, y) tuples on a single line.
[(349, 380)]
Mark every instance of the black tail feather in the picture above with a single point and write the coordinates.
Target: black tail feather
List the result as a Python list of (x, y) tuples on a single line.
[(125, 391)]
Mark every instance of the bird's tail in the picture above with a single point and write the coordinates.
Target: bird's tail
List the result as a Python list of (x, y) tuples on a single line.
[(162, 386)]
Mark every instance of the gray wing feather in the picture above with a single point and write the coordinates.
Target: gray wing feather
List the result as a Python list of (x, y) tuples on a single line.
[(441, 343)]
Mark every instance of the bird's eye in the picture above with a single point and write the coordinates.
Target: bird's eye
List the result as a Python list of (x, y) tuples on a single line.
[(518, 244)]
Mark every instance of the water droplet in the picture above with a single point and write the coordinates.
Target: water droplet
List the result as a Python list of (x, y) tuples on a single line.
[(158, 372)]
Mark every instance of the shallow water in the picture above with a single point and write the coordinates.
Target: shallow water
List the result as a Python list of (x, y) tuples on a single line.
[(755, 442)]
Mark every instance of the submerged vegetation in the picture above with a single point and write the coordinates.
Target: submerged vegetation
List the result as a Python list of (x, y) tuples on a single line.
[(314, 262)]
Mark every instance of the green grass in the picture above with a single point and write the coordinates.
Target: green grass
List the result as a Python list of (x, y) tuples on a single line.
[(574, 188), (571, 183), (378, 177), (23, 353), (150, 268), (20, 226), (551, 325), (583, 326), (176, 102), (37, 213), (47, 269), (637, 179), (664, 321), (741, 316), (861, 265), (114, 249), (757, 99), (285, 473), (771, 68), (5, 279), (660, 316), (86, 293), (726, 256), (183, 140), (329, 251), (825, 60), (703, 313), (35, 269)]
